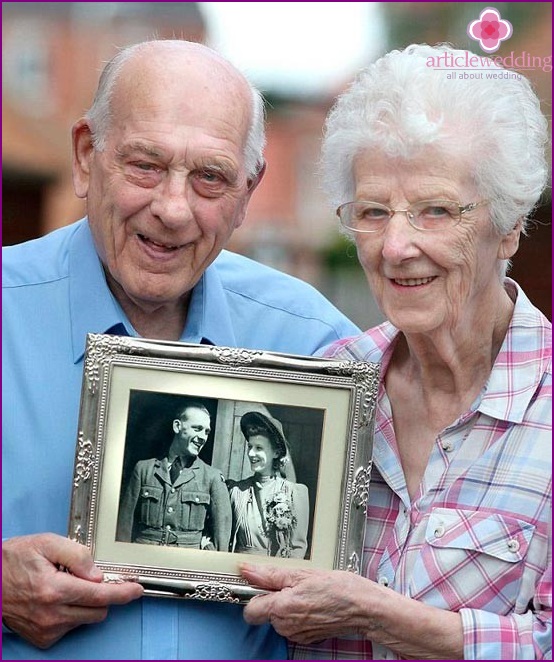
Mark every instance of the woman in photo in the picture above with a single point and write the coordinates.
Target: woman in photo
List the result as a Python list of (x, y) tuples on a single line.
[(270, 513)]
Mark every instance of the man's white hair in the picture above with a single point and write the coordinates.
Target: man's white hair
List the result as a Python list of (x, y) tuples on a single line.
[(99, 114)]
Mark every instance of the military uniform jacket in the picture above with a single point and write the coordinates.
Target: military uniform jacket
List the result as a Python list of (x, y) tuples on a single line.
[(155, 511)]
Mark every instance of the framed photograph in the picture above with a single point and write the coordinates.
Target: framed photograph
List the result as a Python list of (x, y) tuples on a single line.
[(193, 458)]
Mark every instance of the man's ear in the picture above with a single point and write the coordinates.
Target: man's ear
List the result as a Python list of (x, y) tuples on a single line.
[(252, 183), (83, 152), (510, 242), (176, 426)]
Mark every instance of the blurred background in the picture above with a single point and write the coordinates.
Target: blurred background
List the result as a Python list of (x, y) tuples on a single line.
[(300, 54)]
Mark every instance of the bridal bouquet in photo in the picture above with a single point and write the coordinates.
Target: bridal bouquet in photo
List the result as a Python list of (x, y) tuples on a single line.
[(280, 524)]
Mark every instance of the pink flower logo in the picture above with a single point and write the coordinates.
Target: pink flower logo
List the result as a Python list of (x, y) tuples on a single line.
[(489, 30)]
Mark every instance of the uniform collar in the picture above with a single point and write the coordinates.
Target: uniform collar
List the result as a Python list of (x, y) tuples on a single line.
[(187, 473)]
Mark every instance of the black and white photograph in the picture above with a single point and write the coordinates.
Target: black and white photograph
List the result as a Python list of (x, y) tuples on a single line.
[(220, 475), (193, 459)]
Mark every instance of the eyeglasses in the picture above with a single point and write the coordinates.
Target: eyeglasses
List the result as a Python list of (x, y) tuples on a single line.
[(427, 215)]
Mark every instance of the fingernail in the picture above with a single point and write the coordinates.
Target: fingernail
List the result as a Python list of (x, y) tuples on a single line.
[(115, 578), (96, 574)]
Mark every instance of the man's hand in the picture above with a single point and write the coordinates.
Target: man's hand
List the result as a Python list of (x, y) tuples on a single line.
[(41, 602)]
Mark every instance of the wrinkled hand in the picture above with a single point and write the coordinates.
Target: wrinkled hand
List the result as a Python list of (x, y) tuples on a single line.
[(307, 606), (41, 602)]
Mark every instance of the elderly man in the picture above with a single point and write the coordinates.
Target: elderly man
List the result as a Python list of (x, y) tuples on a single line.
[(169, 500), (166, 159)]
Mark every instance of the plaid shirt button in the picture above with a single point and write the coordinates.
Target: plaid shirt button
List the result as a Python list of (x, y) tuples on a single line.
[(513, 545)]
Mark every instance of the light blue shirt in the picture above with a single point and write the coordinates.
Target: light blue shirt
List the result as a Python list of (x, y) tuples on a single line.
[(54, 293)]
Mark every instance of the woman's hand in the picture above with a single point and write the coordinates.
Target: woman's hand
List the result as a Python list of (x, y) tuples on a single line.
[(308, 606)]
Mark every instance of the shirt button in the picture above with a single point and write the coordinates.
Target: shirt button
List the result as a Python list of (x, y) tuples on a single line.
[(383, 581), (170, 509), (513, 545), (197, 499), (439, 531), (172, 490), (447, 446), (146, 492), (168, 527)]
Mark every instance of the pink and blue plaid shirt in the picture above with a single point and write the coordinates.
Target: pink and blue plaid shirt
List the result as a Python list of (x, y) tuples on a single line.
[(476, 539)]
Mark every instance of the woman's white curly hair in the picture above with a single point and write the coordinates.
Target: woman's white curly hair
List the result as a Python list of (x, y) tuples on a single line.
[(402, 104)]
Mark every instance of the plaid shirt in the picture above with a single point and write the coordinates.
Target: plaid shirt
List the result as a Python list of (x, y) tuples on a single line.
[(476, 539)]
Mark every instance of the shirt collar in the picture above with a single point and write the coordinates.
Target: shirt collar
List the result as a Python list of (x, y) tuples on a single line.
[(209, 319), (520, 366), (95, 310)]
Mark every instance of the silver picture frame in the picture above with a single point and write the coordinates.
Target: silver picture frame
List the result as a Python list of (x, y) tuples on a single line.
[(327, 409)]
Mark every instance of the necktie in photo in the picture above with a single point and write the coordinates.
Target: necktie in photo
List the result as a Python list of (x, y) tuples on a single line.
[(175, 469)]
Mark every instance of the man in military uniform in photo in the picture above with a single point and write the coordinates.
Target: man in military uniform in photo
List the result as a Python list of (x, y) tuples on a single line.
[(170, 500)]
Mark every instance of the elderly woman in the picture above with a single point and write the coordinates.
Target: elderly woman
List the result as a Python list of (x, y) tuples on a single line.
[(434, 178), (270, 513)]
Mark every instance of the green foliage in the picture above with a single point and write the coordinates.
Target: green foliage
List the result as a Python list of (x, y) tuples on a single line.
[(340, 254)]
